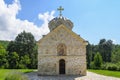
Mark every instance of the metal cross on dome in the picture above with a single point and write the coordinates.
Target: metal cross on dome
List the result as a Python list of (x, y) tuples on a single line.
[(60, 9)]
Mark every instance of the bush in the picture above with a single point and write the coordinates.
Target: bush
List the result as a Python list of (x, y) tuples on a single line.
[(22, 66), (118, 64), (111, 66), (96, 64), (103, 66), (16, 76), (92, 66)]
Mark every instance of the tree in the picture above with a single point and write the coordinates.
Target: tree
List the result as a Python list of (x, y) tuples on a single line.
[(102, 49), (24, 60), (4, 43), (91, 50), (109, 48), (105, 49), (11, 47), (25, 45), (3, 59), (13, 60), (89, 54), (97, 61), (116, 54)]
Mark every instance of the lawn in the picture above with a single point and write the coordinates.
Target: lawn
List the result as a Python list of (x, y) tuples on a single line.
[(4, 72), (106, 72)]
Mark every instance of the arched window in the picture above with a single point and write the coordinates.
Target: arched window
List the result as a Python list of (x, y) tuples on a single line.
[(61, 49)]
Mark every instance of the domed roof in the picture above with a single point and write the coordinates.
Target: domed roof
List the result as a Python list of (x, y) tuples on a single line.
[(58, 21)]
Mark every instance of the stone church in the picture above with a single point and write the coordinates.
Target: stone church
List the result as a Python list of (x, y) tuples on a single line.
[(61, 51)]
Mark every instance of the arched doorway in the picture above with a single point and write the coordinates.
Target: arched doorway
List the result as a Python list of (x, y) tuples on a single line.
[(62, 66)]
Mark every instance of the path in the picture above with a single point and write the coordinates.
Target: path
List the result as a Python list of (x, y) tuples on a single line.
[(90, 76)]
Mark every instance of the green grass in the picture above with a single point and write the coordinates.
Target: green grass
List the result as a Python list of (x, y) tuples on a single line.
[(106, 72), (4, 72)]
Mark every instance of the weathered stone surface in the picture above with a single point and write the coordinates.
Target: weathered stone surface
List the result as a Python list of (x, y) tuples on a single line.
[(54, 23), (72, 46)]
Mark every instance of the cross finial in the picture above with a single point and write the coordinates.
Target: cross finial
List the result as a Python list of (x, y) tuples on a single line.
[(60, 9)]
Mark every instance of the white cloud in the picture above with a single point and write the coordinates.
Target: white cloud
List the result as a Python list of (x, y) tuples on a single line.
[(10, 26), (114, 41), (46, 17)]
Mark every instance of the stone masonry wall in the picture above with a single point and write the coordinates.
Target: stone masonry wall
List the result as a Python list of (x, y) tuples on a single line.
[(74, 65), (48, 58)]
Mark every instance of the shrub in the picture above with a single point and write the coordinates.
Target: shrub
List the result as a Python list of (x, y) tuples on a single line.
[(92, 66), (103, 66), (22, 66), (112, 67), (97, 60), (96, 64), (118, 64), (16, 76)]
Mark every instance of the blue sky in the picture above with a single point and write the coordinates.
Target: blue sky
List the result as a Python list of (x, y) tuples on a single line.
[(93, 19)]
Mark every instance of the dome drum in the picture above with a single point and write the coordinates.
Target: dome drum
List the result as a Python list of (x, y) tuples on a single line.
[(58, 21)]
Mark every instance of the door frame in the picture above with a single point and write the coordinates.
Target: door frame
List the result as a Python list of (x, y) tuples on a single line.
[(62, 69)]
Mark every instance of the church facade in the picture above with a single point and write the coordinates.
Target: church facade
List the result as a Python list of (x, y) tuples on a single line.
[(61, 51)]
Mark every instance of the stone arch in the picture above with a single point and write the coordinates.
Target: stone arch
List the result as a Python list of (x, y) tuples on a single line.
[(61, 49), (62, 66)]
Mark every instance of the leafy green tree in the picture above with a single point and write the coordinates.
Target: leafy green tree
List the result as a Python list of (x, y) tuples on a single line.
[(91, 50), (89, 54), (4, 43), (34, 59), (26, 48), (24, 60), (3, 58), (13, 59), (97, 60), (116, 54), (105, 49), (109, 48), (102, 49), (26, 43), (11, 47)]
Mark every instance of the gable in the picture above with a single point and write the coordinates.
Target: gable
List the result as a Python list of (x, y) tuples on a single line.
[(60, 32)]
